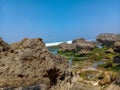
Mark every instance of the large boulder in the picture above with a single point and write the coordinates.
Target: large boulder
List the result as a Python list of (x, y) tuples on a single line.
[(83, 44), (67, 47), (108, 39), (29, 66)]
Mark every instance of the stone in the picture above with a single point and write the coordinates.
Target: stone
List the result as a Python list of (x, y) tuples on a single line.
[(117, 46), (30, 66), (67, 47), (108, 39)]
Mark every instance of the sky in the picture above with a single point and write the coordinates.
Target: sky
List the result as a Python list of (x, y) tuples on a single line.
[(58, 20)]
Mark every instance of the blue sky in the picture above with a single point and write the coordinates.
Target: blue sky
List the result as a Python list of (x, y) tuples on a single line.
[(58, 20)]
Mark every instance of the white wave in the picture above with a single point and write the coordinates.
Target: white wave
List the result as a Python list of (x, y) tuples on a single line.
[(57, 43)]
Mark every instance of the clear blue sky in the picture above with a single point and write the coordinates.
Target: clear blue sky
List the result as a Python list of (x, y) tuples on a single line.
[(58, 20)]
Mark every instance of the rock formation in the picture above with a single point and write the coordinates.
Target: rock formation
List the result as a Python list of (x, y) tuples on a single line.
[(67, 47), (83, 44), (28, 65), (108, 38), (77, 45)]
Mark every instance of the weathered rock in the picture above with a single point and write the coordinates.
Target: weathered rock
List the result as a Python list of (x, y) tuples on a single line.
[(67, 47), (108, 39), (30, 65), (83, 44)]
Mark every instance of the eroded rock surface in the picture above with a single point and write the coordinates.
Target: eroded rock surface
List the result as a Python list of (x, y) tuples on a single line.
[(28, 65)]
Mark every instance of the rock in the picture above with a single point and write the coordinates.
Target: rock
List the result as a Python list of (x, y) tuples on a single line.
[(106, 78), (83, 44), (77, 45), (3, 46), (84, 86), (117, 46), (31, 67), (108, 39), (79, 40), (110, 50), (116, 59), (112, 87), (67, 47)]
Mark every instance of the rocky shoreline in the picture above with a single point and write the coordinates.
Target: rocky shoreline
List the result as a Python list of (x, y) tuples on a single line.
[(29, 65)]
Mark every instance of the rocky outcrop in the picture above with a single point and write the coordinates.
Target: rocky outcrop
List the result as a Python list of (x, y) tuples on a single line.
[(77, 45), (67, 47), (29, 66), (108, 39), (83, 44)]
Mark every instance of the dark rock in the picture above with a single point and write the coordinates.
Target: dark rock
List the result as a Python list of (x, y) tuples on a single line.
[(116, 59)]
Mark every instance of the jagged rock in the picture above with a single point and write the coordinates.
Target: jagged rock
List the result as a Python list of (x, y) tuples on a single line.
[(108, 39), (30, 65)]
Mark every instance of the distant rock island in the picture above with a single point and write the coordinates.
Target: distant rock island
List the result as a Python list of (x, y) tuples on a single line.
[(30, 65)]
